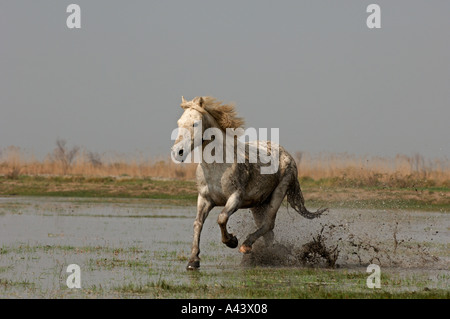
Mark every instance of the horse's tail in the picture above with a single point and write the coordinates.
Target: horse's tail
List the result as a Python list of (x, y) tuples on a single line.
[(297, 202)]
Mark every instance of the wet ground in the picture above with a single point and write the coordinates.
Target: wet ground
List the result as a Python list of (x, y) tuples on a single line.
[(139, 248)]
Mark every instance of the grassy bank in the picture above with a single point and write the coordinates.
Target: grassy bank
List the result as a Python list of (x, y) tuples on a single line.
[(286, 284), (330, 192)]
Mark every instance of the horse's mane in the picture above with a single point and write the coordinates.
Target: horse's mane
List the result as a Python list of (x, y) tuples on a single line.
[(224, 114)]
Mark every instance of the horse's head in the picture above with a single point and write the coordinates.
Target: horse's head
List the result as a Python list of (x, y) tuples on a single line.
[(190, 128)]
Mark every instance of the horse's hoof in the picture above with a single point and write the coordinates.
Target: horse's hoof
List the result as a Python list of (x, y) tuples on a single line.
[(232, 243), (193, 265), (245, 249)]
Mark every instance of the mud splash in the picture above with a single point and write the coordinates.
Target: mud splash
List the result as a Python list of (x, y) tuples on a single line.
[(316, 253), (350, 244)]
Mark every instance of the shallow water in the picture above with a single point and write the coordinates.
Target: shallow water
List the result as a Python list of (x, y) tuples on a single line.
[(117, 242)]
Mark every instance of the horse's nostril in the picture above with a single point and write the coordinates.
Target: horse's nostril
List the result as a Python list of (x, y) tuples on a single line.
[(180, 152)]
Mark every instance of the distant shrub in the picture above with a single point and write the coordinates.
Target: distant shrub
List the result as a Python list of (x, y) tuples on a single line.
[(64, 156), (14, 173)]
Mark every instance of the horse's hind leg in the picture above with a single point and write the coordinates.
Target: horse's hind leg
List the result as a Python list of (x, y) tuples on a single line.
[(268, 222), (259, 215)]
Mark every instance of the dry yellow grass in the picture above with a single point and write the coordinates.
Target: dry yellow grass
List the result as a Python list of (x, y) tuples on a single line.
[(399, 171), (15, 162)]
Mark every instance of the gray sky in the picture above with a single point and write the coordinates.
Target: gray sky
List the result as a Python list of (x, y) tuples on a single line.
[(311, 68)]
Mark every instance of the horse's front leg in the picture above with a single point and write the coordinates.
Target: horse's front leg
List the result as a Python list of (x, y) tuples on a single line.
[(204, 206), (232, 205)]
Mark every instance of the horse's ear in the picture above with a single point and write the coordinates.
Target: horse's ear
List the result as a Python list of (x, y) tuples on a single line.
[(183, 100), (199, 101)]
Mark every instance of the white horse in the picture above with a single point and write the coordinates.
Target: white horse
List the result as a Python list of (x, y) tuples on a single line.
[(236, 184)]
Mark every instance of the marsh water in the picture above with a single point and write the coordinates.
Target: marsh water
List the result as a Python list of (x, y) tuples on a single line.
[(122, 243)]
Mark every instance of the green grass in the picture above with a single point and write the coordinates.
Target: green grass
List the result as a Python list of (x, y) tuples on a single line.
[(332, 193), (132, 272), (27, 249), (10, 283), (282, 283), (102, 187), (384, 204), (376, 181)]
